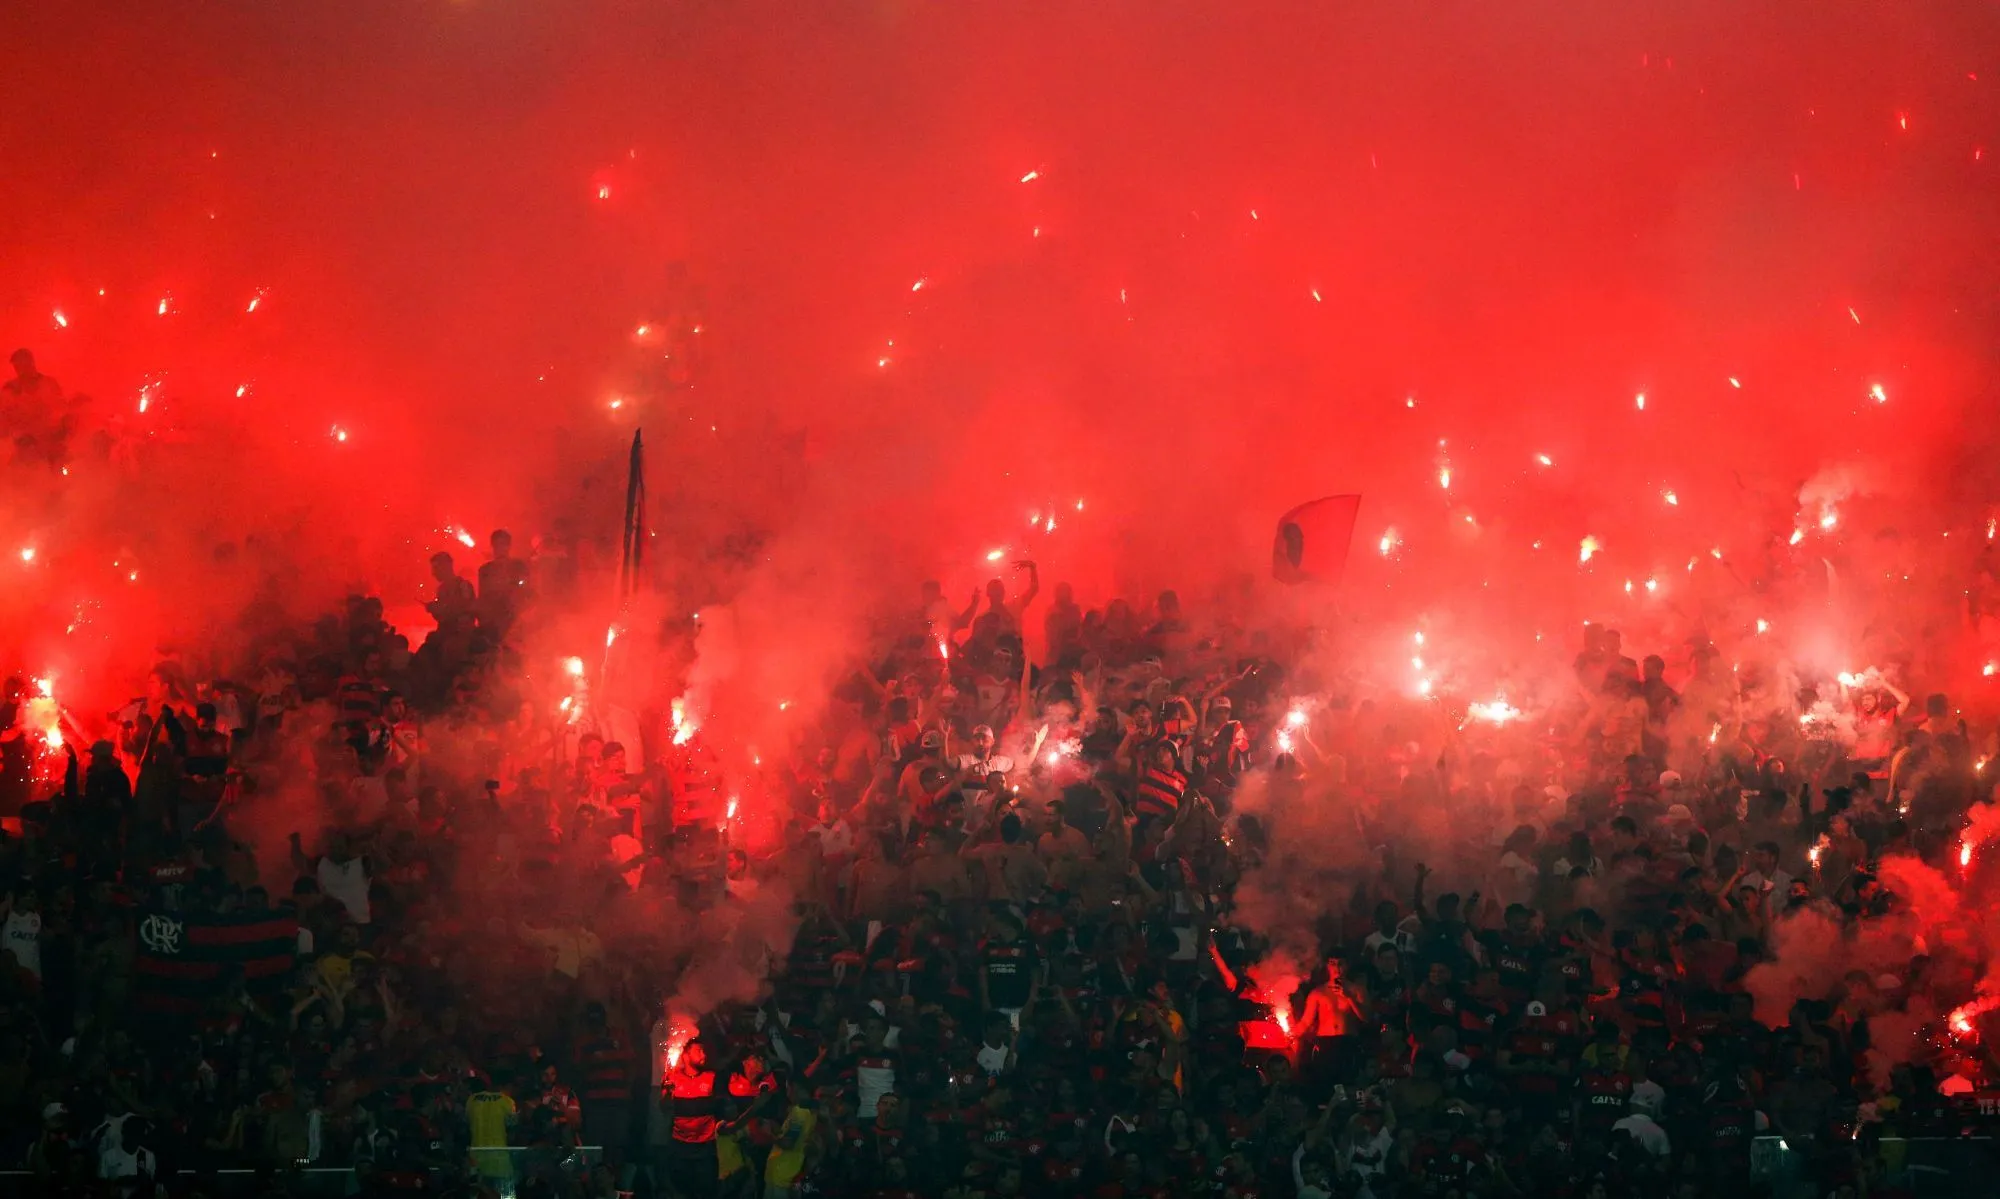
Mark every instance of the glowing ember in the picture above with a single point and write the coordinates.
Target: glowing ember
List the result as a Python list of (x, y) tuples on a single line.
[(1497, 712), (62, 322), (1964, 854), (1989, 669), (1673, 501), (1444, 478), (1763, 626), (1284, 741), (729, 813), (995, 555), (27, 553), (919, 285), (339, 434), (1829, 520), (1714, 731), (944, 650), (254, 301), (1586, 550), (1640, 401), (1798, 535), (1545, 460), (1734, 382), (55, 738), (610, 635), (45, 687), (1031, 176), (1388, 542), (574, 666), (1881, 396), (1296, 718)]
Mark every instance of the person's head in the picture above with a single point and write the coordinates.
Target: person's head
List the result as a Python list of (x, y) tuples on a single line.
[(1065, 595), (1624, 833), (1169, 605), (204, 717), (501, 542), (24, 363), (1764, 857), (1937, 706), (1519, 916), (739, 863), (1654, 668), (441, 566), (996, 592), (982, 740), (1870, 701), (612, 759), (1052, 816)]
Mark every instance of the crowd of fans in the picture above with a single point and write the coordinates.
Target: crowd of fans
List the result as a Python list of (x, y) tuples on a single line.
[(359, 907)]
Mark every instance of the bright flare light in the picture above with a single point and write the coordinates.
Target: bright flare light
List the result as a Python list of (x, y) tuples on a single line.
[(1763, 626), (995, 555), (1586, 549), (1881, 396), (1640, 400), (62, 322), (1388, 542), (1989, 669), (1545, 460), (1673, 501), (574, 666), (1497, 712), (27, 553)]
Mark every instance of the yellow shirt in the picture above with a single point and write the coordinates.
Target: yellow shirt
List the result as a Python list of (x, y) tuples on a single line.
[(488, 1113), (788, 1156)]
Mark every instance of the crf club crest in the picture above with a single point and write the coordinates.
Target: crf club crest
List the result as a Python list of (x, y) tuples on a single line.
[(162, 935)]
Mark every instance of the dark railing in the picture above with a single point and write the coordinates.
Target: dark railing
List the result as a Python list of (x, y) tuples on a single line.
[(336, 1182), (1928, 1167)]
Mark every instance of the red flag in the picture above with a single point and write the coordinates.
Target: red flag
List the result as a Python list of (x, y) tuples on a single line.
[(1312, 541)]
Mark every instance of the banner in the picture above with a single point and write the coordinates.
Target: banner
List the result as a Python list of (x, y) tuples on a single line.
[(1312, 541), (186, 960)]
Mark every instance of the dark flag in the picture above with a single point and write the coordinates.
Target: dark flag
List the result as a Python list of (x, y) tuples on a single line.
[(1313, 539), (635, 520), (184, 961)]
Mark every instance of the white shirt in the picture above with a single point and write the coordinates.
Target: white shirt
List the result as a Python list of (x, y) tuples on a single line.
[(836, 840), (22, 937), (991, 1059), (1651, 1137), (1779, 883), (347, 882)]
